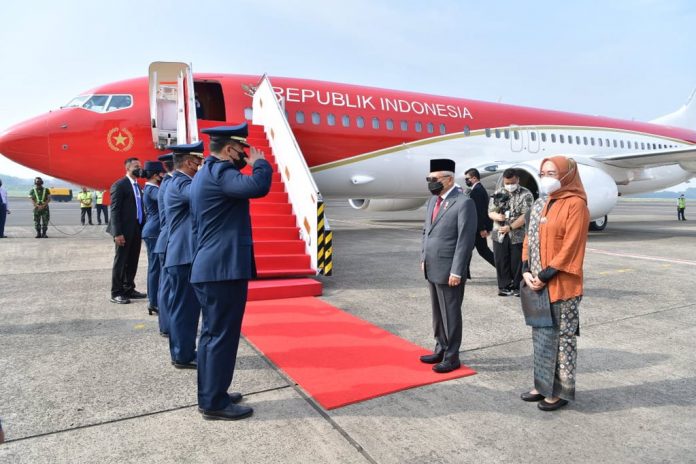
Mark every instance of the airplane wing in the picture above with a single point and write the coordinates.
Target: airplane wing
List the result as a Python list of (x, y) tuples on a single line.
[(685, 157)]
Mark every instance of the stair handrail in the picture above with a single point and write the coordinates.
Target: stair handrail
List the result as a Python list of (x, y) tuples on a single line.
[(299, 183)]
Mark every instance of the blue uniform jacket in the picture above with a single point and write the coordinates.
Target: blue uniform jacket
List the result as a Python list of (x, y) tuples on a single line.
[(151, 229), (161, 245), (180, 243), (220, 205)]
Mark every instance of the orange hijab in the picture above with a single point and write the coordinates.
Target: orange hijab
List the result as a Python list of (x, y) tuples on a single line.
[(568, 174)]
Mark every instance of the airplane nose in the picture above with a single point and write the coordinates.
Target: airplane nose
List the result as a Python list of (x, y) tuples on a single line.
[(27, 144)]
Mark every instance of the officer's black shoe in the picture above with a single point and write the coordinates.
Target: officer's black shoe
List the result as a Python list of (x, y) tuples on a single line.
[(446, 366), (504, 292), (119, 299), (235, 397), (38, 233), (231, 412), (152, 309), (164, 334), (136, 295), (43, 234), (432, 358), (189, 365)]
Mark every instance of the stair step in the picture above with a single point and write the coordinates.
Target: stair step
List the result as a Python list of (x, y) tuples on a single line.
[(271, 208), (277, 187), (283, 288), (297, 261), (272, 197), (273, 220), (269, 273), (276, 233), (280, 247)]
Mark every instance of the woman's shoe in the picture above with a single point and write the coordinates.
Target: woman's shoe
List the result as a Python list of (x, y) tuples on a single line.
[(531, 397), (546, 406), (152, 309)]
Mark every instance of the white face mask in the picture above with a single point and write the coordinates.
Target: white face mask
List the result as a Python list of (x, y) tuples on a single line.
[(548, 185), (511, 187)]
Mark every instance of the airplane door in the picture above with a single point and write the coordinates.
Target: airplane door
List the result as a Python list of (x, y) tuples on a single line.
[(532, 141), (172, 104), (515, 139)]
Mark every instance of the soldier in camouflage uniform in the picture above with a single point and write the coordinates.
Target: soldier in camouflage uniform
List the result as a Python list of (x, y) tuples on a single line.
[(41, 197)]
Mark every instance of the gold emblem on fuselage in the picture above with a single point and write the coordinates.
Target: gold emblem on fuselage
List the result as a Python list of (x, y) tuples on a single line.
[(119, 139)]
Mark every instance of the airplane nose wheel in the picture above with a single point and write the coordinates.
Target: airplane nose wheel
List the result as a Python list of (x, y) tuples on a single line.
[(599, 224)]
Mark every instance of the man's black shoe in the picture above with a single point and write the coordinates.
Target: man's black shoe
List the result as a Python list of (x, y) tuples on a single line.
[(119, 299), (432, 358), (189, 365), (164, 334), (235, 397), (231, 412), (446, 366), (516, 292), (504, 292), (136, 295), (546, 406), (528, 396)]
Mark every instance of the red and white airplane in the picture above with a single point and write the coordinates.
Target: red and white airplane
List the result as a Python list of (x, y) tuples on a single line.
[(370, 145)]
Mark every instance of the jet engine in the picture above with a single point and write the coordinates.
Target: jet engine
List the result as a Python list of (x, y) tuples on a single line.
[(386, 204), (600, 187)]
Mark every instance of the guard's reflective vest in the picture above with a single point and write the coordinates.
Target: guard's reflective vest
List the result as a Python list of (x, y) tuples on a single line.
[(681, 202), (100, 197), (85, 199)]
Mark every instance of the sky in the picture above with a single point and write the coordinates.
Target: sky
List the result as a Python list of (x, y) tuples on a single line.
[(625, 59)]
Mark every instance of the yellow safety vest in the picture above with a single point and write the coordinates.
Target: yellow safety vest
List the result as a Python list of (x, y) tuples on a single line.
[(100, 197), (682, 202), (85, 199)]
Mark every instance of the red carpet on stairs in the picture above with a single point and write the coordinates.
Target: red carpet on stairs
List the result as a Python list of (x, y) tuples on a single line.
[(337, 358)]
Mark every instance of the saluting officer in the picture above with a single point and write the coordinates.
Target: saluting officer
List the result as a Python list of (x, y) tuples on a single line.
[(161, 247), (184, 307), (153, 171), (224, 262)]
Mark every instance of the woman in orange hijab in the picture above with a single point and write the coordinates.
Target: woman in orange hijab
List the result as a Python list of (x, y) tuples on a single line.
[(553, 253)]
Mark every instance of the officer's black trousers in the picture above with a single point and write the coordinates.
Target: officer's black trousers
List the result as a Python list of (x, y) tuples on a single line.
[(125, 266), (508, 263), (88, 212)]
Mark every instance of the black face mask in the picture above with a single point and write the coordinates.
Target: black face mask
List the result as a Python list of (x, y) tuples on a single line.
[(435, 187), (137, 172), (241, 162), (468, 182)]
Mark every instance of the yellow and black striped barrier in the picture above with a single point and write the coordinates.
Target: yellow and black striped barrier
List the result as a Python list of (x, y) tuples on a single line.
[(324, 242)]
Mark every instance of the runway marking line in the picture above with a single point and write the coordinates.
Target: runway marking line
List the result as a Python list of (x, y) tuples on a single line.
[(645, 257)]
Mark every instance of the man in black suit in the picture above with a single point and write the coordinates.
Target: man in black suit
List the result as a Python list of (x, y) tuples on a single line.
[(472, 179), (127, 219)]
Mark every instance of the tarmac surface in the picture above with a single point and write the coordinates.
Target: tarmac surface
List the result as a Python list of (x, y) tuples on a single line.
[(83, 380)]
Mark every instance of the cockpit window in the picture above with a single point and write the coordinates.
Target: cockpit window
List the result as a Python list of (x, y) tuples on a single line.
[(118, 102), (101, 103)]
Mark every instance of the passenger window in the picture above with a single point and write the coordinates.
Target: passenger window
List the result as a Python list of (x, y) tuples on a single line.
[(404, 126), (330, 119), (584, 140), (532, 135), (600, 142), (543, 136), (443, 129), (553, 138), (642, 145), (506, 133), (375, 123), (577, 139), (418, 126), (654, 146), (562, 138), (615, 144), (570, 139), (316, 118), (345, 120), (430, 127), (360, 122), (497, 133), (124, 101), (390, 124), (299, 117), (592, 141), (608, 144), (488, 132), (516, 134), (467, 131), (621, 143)]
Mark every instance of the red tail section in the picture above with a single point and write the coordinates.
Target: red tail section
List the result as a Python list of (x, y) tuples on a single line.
[(278, 250)]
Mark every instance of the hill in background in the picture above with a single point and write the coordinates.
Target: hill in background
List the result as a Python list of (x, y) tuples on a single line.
[(19, 187)]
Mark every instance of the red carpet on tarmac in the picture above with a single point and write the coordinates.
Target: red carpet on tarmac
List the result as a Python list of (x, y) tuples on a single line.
[(335, 357)]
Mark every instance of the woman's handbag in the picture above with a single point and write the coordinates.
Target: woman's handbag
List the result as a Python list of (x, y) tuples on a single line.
[(536, 306)]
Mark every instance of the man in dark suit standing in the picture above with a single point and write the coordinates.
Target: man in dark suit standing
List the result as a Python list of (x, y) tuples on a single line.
[(224, 262), (125, 225), (448, 240), (472, 179), (160, 249), (184, 309)]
